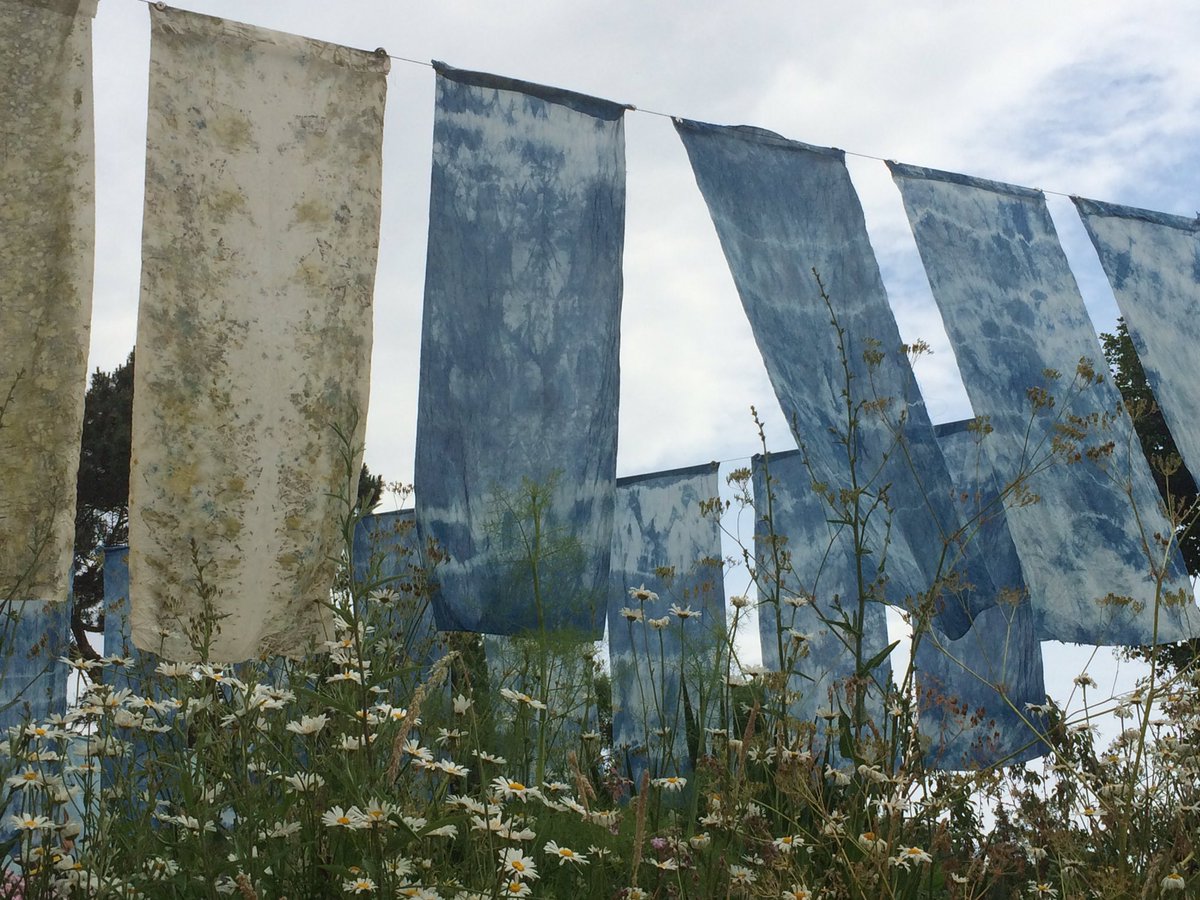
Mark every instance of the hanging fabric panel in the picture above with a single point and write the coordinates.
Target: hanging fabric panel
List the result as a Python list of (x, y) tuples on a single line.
[(33, 680), (517, 416), (784, 210), (1015, 318), (390, 567), (972, 692), (47, 212), (807, 575), (667, 668), (254, 333), (118, 628), (1152, 261)]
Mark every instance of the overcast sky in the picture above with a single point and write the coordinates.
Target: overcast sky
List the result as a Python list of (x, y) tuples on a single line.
[(1098, 98), (1095, 98)]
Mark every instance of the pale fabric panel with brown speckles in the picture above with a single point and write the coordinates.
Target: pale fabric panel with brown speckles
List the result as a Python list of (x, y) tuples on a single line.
[(260, 238), (47, 212)]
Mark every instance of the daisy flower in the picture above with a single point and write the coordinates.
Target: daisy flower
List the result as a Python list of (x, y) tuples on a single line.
[(516, 864), (788, 843), (797, 892), (685, 612), (910, 855), (507, 788), (565, 854), (741, 876), (1173, 882), (518, 697), (360, 885), (642, 594), (336, 817), (670, 783), (308, 724)]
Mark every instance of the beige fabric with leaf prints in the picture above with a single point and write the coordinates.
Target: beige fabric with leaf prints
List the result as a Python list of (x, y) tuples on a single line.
[(259, 239), (47, 214)]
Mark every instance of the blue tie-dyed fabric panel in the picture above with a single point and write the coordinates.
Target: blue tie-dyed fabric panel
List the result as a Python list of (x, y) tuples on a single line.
[(973, 692), (782, 210), (517, 415), (664, 543), (1015, 317), (33, 683), (808, 576), (1153, 264), (390, 570)]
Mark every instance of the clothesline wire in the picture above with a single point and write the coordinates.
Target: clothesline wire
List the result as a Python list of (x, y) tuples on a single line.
[(632, 107)]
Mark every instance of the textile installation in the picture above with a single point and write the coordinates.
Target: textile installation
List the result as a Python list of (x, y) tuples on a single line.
[(388, 557), (46, 242), (667, 667), (33, 682), (254, 333), (808, 577), (784, 210), (517, 414), (1014, 313), (972, 692), (118, 629), (1153, 264)]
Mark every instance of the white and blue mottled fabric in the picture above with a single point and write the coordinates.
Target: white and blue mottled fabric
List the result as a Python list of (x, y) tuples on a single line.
[(802, 556), (519, 353), (1153, 264), (972, 692), (47, 230), (783, 210), (662, 541), (33, 683), (387, 555), (261, 231), (1013, 313)]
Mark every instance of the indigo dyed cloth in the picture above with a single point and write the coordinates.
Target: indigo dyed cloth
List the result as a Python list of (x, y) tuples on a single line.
[(1153, 264), (783, 210), (263, 174), (808, 576), (47, 213), (118, 627), (388, 557), (1020, 329), (972, 692), (667, 668), (33, 683), (517, 414)]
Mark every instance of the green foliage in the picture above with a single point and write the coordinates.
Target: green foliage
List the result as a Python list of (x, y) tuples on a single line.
[(1175, 483)]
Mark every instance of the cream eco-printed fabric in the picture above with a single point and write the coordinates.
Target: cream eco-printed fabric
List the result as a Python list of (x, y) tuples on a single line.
[(46, 241), (260, 238)]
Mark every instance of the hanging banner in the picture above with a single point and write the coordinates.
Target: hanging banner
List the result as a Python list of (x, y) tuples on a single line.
[(47, 219), (666, 620), (972, 693), (787, 213), (391, 570), (260, 236), (1020, 329), (517, 415), (35, 634), (811, 585), (1152, 261)]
